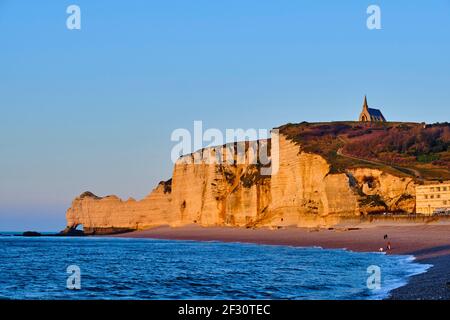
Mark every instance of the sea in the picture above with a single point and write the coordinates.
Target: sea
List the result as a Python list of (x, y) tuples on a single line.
[(98, 268)]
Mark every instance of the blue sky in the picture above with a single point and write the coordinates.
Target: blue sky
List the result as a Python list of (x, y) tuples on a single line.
[(93, 109)]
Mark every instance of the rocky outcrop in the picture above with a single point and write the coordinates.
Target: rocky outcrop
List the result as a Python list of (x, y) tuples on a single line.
[(384, 191), (101, 215), (304, 191)]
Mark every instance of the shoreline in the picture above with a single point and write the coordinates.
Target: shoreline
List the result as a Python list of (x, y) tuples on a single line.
[(429, 244)]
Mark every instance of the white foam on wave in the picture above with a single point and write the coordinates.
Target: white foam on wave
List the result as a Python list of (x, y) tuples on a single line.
[(405, 263)]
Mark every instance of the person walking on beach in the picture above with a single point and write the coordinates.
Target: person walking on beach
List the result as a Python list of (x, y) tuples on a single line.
[(388, 248)]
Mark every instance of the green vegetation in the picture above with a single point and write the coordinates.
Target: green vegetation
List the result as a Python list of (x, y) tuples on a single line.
[(404, 149), (88, 194), (253, 177), (167, 185), (229, 175), (426, 158)]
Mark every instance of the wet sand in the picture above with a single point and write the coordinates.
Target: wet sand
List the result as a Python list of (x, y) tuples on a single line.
[(428, 243)]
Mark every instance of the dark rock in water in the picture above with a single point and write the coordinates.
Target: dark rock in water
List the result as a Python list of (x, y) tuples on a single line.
[(31, 234), (106, 231)]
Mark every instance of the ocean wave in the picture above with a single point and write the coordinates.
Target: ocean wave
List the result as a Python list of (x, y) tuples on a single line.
[(114, 268)]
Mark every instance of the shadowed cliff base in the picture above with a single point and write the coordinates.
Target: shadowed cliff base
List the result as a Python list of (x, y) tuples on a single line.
[(74, 232)]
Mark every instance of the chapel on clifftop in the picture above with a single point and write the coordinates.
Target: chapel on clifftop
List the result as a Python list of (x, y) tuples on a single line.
[(370, 114)]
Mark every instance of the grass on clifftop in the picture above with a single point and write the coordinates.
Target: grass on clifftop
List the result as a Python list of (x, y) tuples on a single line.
[(403, 149)]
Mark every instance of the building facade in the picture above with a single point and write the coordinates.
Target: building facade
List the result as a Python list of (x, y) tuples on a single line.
[(433, 198), (370, 114)]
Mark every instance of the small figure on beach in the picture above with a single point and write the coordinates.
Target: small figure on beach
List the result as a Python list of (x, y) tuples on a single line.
[(385, 236), (388, 248)]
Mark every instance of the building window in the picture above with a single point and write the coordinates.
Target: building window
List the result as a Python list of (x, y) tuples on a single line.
[(438, 189), (426, 196), (445, 202), (444, 189), (432, 197), (438, 196), (431, 189)]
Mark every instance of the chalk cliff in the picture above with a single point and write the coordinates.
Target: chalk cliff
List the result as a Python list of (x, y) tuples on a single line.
[(304, 191)]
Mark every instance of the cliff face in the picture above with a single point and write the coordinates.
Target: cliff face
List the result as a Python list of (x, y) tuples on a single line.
[(303, 192), (111, 214)]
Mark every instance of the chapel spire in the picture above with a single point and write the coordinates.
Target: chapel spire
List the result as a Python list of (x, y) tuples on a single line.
[(365, 105)]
